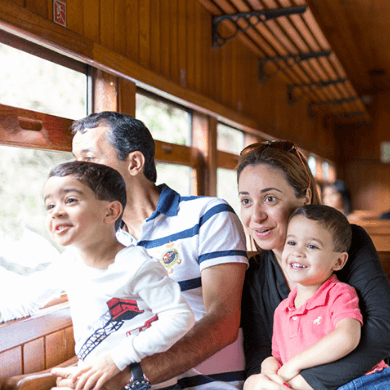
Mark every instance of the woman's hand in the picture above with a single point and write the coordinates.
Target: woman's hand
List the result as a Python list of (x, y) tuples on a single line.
[(265, 382)]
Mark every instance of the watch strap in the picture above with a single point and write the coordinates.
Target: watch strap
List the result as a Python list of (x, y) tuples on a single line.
[(138, 380)]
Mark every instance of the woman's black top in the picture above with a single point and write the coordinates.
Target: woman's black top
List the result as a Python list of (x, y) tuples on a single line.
[(265, 288)]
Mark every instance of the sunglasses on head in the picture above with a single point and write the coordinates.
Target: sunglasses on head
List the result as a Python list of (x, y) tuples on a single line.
[(286, 146)]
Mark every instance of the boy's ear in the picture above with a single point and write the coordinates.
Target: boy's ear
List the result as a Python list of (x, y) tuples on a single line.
[(342, 259), (113, 212), (136, 162)]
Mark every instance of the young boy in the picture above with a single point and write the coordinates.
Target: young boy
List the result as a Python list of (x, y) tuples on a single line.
[(124, 305), (320, 320)]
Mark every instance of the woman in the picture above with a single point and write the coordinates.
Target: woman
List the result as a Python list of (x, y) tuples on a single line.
[(337, 195), (273, 180)]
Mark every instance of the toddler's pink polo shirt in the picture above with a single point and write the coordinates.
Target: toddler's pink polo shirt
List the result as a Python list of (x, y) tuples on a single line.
[(298, 329)]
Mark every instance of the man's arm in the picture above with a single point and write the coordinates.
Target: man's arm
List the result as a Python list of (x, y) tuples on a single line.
[(222, 289), (335, 345)]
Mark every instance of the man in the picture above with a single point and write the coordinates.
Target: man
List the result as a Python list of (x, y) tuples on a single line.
[(200, 241)]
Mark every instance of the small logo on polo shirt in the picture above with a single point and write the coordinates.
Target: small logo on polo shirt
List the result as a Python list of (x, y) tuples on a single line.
[(170, 257), (317, 321)]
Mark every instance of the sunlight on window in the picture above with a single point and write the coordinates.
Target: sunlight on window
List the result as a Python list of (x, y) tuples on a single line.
[(229, 140), (32, 83), (227, 188), (165, 121), (312, 165), (178, 177)]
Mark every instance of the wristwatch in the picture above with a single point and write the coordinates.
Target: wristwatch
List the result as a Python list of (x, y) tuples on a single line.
[(138, 380)]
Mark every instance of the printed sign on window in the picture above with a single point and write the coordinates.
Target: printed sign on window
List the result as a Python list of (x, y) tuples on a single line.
[(59, 12)]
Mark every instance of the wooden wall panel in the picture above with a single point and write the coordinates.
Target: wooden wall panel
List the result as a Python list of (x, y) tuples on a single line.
[(144, 33), (69, 343), (55, 348), (190, 19), (132, 30), (39, 7), (34, 356), (173, 39), (165, 39), (107, 23), (155, 36), (120, 27), (11, 362), (75, 16), (369, 183), (91, 17)]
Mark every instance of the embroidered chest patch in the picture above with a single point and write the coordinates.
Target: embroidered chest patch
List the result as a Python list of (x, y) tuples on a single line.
[(170, 256)]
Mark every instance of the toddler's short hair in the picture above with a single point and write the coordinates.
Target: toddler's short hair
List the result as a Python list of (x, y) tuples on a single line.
[(106, 182), (332, 220)]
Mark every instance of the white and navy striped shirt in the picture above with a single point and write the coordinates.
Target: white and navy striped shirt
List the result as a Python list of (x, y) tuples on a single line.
[(188, 234)]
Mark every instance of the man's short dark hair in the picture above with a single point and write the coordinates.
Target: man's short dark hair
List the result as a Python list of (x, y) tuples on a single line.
[(106, 182), (126, 134), (332, 220)]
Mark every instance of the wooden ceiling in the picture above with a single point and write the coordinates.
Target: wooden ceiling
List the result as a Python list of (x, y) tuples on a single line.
[(358, 31), (355, 32)]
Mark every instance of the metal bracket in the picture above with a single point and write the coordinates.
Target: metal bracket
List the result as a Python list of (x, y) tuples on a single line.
[(252, 19), (290, 60), (320, 84), (328, 103)]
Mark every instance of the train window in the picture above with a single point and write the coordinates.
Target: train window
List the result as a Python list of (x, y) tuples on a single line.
[(33, 83), (25, 245), (312, 165), (178, 177), (227, 188), (166, 121), (325, 170), (229, 140)]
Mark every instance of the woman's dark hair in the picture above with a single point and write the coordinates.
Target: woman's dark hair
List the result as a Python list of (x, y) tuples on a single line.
[(343, 190), (126, 134), (288, 162), (106, 182), (332, 220)]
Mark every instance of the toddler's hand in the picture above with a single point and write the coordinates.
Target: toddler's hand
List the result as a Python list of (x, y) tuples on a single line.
[(288, 371)]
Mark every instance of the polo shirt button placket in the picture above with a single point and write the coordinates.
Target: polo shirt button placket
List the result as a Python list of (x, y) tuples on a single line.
[(294, 323)]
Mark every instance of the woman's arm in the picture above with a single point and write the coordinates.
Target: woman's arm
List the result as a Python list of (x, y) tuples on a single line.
[(365, 273)]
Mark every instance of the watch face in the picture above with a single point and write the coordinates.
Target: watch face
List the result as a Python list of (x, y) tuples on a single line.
[(140, 385)]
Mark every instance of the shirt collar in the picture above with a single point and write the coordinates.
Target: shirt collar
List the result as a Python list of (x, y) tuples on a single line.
[(168, 202), (318, 299)]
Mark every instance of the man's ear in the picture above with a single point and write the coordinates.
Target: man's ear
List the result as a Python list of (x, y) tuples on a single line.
[(113, 211), (136, 162), (342, 259)]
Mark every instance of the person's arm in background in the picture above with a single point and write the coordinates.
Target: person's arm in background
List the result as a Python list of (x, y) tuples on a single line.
[(29, 294), (364, 272)]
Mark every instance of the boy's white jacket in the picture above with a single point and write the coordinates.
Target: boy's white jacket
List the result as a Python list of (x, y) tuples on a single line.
[(131, 310)]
